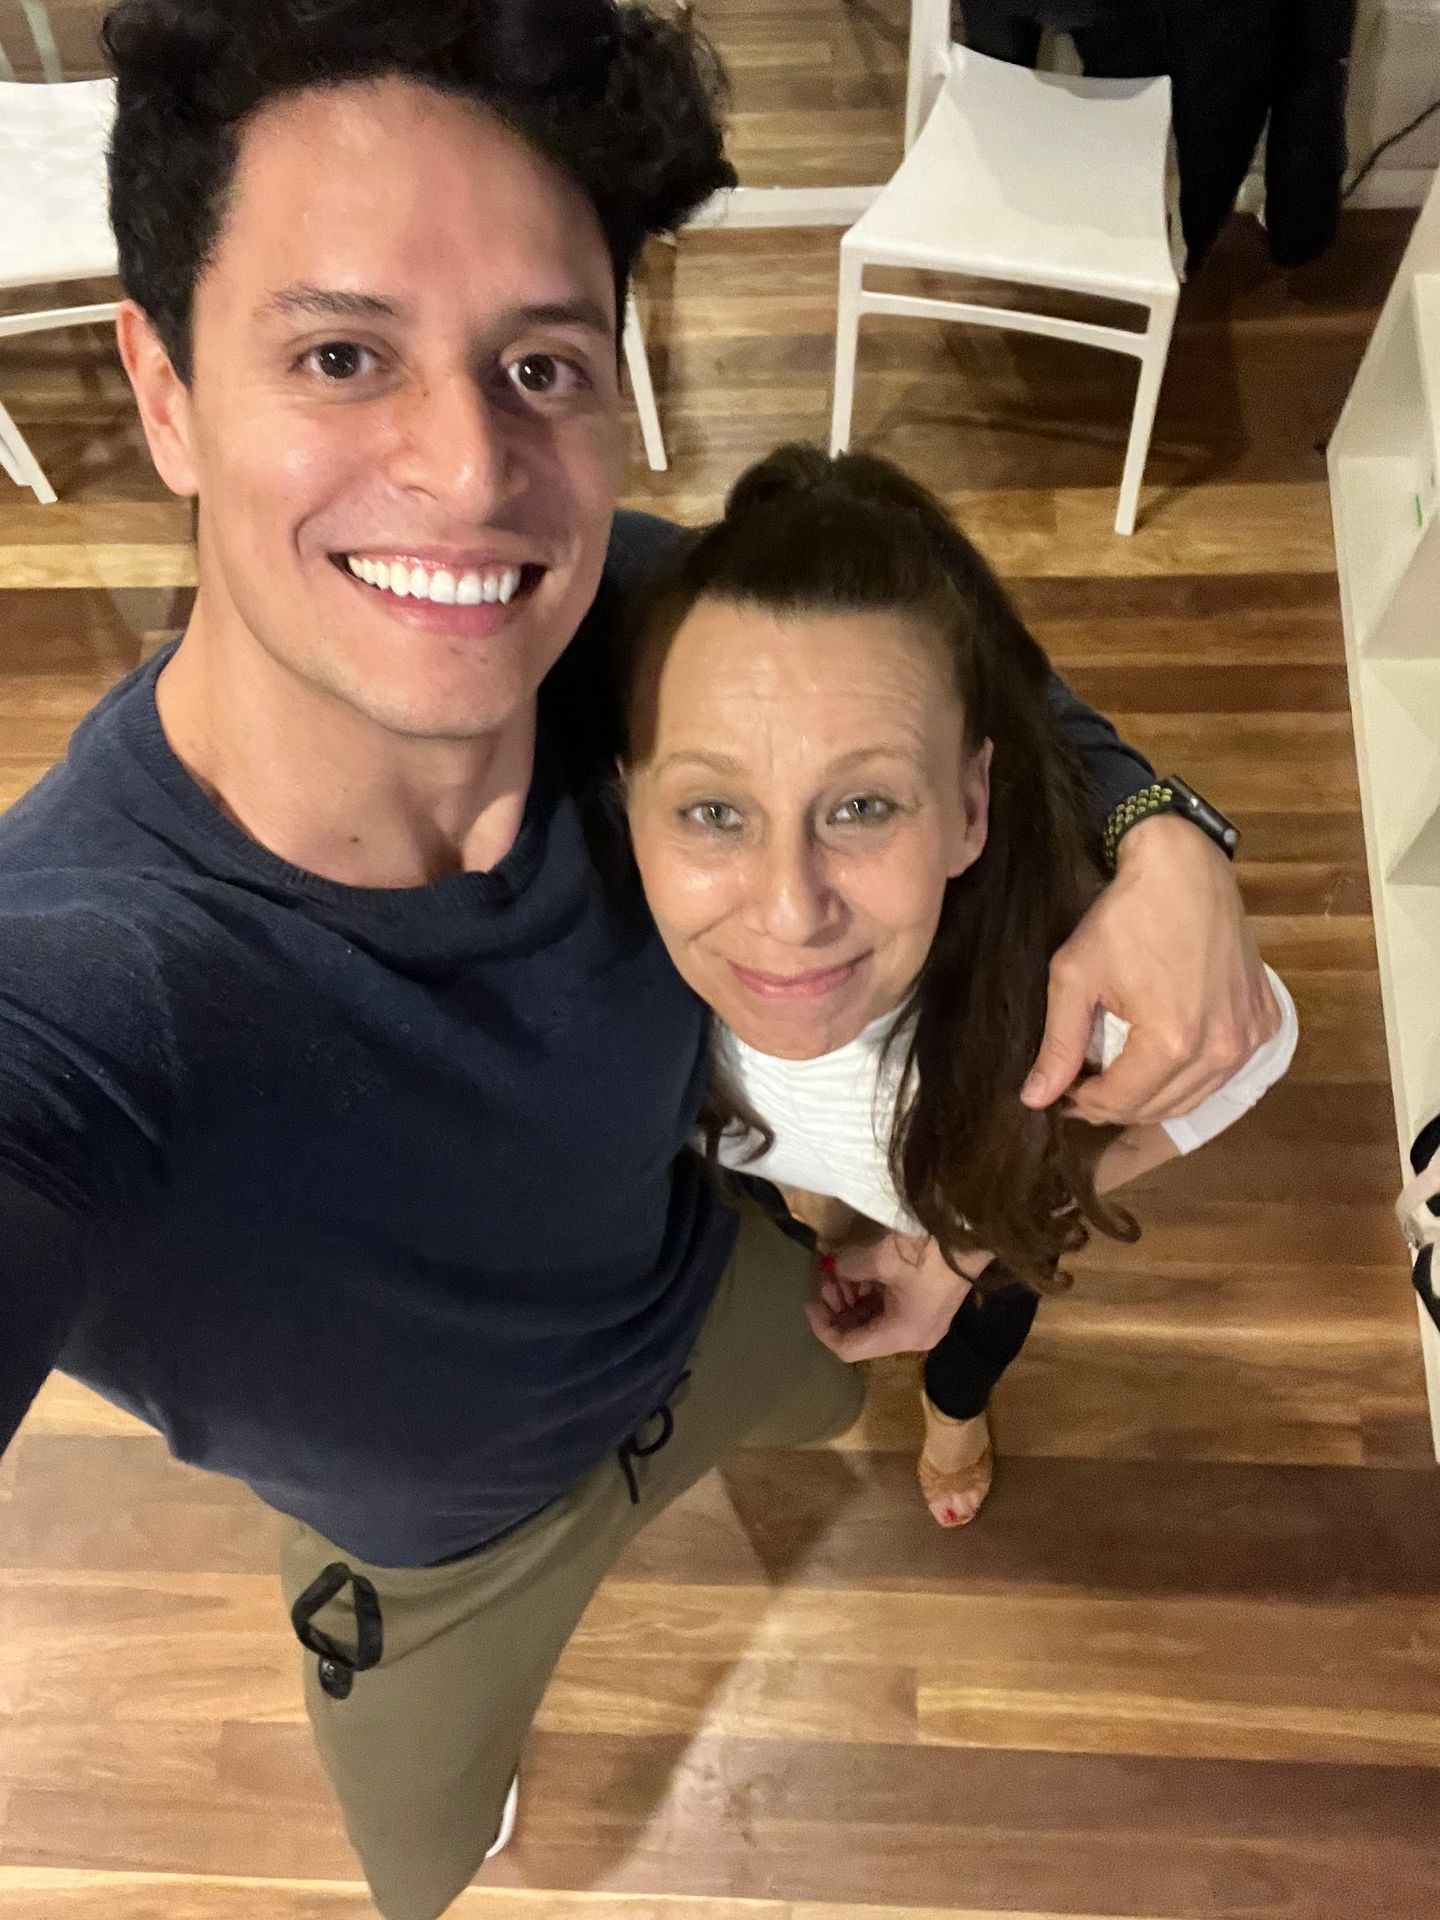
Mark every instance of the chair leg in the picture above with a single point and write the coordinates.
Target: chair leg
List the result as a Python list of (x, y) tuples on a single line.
[(20, 463), (643, 390), (9, 462), (847, 347), (1147, 395)]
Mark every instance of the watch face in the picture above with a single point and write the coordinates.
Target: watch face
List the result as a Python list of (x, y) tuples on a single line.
[(1208, 818)]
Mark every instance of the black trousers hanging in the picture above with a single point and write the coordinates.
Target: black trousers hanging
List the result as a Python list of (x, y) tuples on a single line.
[(1122, 39)]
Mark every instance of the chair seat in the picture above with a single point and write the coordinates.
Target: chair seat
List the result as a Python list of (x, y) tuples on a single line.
[(53, 185), (1036, 178)]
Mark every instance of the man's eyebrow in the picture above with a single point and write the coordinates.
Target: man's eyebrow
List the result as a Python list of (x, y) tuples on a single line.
[(333, 303), (329, 303), (561, 313)]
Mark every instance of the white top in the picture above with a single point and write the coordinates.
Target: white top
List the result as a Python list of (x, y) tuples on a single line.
[(833, 1117)]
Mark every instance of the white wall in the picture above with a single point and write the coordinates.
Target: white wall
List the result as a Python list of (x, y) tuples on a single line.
[(1394, 72)]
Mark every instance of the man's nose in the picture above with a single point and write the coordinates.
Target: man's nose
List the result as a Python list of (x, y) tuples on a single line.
[(457, 446)]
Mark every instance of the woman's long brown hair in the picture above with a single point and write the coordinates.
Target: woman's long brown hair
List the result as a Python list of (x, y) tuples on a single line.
[(802, 534)]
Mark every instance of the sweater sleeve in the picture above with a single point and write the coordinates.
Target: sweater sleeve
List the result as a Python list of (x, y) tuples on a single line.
[(40, 1286), (83, 1064), (1115, 770)]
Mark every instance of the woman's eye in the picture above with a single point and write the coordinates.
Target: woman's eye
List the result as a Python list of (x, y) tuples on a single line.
[(544, 376), (714, 816), (338, 360), (864, 810)]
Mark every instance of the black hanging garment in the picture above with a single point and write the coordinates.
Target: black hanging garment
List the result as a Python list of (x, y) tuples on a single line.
[(1233, 66), (1418, 1211)]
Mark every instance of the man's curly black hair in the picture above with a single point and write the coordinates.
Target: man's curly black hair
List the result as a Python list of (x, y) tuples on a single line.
[(624, 99)]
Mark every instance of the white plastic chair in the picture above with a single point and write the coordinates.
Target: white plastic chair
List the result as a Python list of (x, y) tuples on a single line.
[(55, 225), (1043, 179), (642, 387), (642, 390)]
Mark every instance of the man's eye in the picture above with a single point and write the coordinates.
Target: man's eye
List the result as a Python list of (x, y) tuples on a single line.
[(544, 375), (338, 359), (714, 816), (864, 810)]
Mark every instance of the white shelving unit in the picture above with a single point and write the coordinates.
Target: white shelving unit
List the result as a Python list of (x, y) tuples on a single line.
[(1385, 492)]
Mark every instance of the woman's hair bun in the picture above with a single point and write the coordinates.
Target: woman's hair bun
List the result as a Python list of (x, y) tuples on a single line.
[(790, 470)]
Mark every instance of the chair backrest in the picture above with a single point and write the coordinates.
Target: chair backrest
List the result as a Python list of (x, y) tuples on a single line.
[(1020, 117), (42, 32), (929, 62)]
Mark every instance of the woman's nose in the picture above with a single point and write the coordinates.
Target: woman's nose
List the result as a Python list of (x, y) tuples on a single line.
[(794, 900)]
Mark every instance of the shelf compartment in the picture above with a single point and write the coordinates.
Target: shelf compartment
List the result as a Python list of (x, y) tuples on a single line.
[(1427, 329), (1383, 466), (1407, 626), (1398, 745), (1408, 929), (1379, 518)]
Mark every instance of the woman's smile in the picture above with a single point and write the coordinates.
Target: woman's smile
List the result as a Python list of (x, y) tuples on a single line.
[(813, 985)]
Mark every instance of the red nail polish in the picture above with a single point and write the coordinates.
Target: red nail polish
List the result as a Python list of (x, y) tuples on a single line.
[(827, 1265)]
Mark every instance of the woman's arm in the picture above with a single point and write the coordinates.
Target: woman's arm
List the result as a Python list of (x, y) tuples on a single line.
[(1135, 1151), (1140, 1149)]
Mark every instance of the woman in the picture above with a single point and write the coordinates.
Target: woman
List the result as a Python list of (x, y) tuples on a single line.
[(863, 838)]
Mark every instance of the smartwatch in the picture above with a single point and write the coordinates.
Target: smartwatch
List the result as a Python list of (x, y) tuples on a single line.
[(1170, 795)]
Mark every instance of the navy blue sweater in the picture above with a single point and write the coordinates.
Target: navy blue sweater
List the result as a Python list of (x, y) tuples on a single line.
[(378, 1200)]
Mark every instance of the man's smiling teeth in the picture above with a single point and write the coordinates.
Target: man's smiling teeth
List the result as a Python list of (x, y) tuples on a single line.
[(441, 587)]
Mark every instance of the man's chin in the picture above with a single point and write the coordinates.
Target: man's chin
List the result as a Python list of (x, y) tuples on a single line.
[(449, 723)]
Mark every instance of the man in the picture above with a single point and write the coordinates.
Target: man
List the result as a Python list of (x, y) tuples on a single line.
[(344, 1086)]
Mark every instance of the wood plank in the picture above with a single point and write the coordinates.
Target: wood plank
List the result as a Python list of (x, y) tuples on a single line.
[(64, 1406), (847, 1521), (48, 1893), (985, 1829), (978, 1829)]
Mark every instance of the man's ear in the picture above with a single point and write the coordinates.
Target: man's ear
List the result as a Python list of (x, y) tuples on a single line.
[(975, 802), (163, 399)]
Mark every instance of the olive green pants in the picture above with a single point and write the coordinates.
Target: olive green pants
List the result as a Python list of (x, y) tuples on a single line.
[(422, 1747)]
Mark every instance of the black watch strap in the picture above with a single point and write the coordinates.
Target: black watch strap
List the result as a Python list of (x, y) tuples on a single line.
[(1170, 795)]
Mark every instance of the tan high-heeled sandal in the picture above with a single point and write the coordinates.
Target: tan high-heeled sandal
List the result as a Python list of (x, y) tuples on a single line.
[(967, 1483)]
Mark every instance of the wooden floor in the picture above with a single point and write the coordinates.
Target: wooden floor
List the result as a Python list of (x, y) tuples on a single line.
[(1188, 1663)]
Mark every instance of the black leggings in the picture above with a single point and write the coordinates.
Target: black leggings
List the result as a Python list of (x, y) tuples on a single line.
[(986, 1334)]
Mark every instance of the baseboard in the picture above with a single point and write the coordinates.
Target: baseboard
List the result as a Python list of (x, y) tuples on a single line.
[(1394, 187), (787, 207), (1385, 187)]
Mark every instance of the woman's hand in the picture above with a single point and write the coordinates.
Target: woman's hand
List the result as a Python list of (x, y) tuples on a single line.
[(895, 1296), (1165, 947)]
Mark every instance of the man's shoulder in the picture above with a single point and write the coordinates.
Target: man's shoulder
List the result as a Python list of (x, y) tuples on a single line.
[(640, 545), (92, 893), (88, 1056), (580, 700), (88, 811), (82, 952)]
